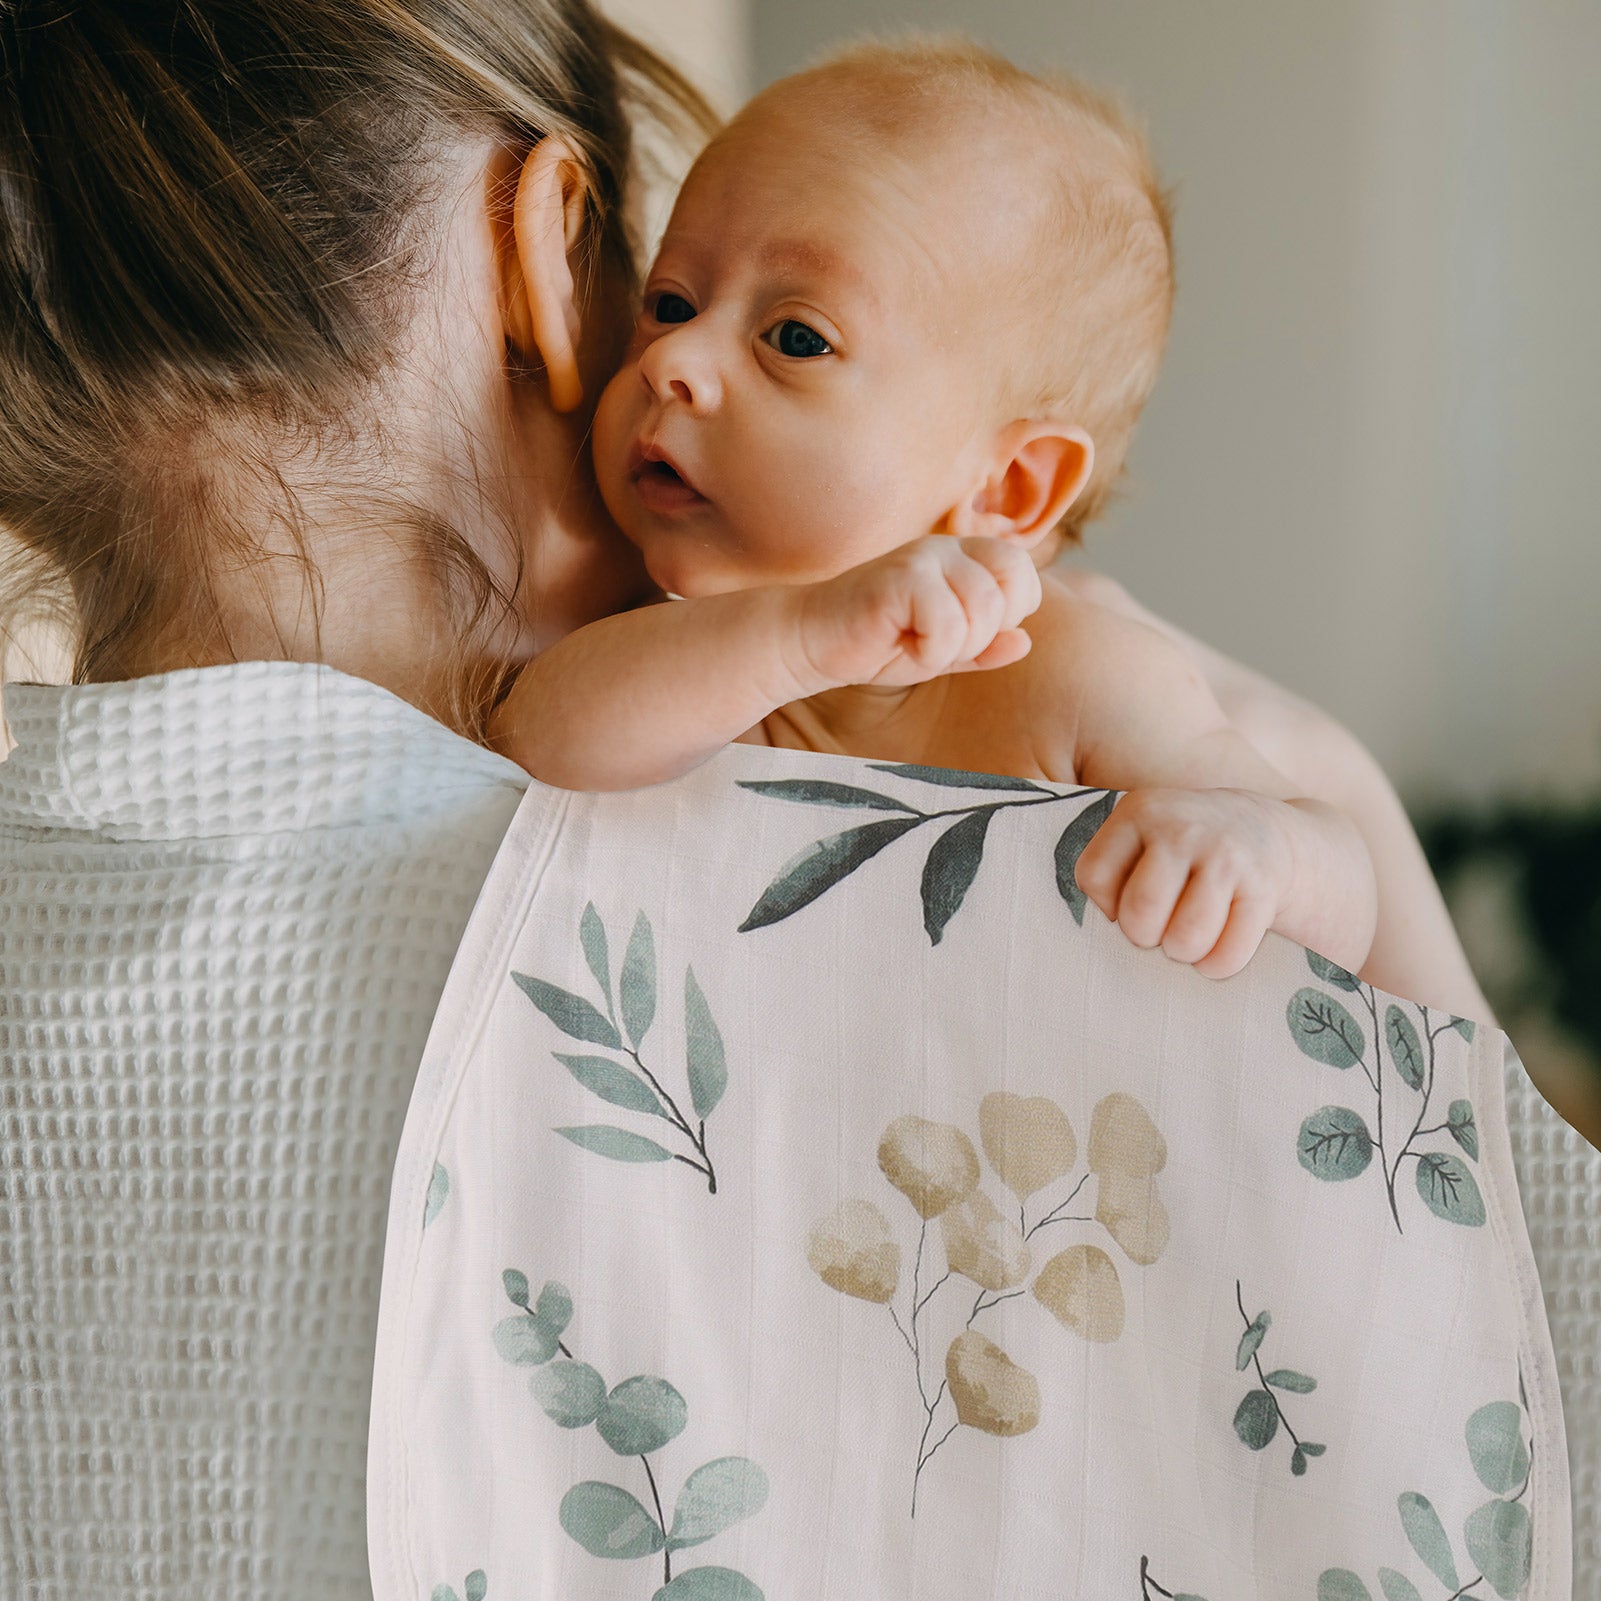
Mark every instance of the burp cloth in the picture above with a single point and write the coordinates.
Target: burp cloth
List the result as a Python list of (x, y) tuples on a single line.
[(806, 1195)]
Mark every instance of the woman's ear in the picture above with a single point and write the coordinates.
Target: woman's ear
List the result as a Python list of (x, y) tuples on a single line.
[(1038, 469), (538, 301)]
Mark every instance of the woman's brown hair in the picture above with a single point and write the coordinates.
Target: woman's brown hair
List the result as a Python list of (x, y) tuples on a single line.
[(204, 240)]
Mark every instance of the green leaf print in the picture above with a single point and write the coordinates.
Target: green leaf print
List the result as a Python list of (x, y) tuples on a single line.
[(608, 1522), (716, 1496), (1397, 1587), (1427, 1535), (1324, 1030), (815, 870), (572, 1014), (1500, 1539), (1332, 972), (1256, 1420), (1460, 1124), (1335, 1144), (554, 1308), (948, 778), (613, 1082), (637, 985), (515, 1285), (950, 870), (1340, 1584), (1289, 1379), (525, 1340), (1070, 847), (571, 1394), (709, 1584), (443, 1592), (438, 1190), (592, 936), (1251, 1340), (703, 1044), (1495, 1443), (1406, 1049), (477, 1585), (641, 1415), (1448, 1189), (618, 1143), (1464, 1026), (818, 792)]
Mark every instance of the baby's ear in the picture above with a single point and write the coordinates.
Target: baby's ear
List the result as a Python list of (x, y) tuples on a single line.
[(539, 305), (1036, 471)]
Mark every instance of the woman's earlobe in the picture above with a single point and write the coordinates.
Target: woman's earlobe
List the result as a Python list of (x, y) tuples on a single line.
[(540, 300)]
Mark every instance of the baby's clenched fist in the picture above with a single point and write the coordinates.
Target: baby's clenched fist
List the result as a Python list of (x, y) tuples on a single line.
[(1200, 872), (937, 605)]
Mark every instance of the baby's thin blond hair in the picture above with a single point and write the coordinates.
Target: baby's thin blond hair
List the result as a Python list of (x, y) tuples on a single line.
[(1087, 279)]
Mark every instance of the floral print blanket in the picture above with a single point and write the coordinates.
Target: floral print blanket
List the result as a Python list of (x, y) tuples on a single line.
[(806, 1196)]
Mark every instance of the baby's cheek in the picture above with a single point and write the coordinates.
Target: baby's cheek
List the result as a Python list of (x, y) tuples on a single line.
[(610, 439)]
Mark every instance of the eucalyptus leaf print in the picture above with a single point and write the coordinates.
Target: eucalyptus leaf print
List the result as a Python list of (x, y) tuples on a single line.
[(631, 1084), (636, 1419), (955, 854), (1261, 1412), (1497, 1535), (993, 1246), (438, 1192), (1070, 846), (1399, 1060)]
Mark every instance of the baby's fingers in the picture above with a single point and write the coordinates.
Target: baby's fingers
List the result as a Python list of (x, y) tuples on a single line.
[(1011, 645), (1014, 573), (1249, 919)]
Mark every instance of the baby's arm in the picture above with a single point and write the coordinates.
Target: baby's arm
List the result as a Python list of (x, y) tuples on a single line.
[(643, 696), (1415, 951), (1213, 845)]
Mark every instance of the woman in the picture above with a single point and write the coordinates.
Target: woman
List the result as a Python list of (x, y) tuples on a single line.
[(288, 281), (307, 306)]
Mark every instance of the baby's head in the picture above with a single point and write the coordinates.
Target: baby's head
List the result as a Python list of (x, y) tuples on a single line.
[(912, 290)]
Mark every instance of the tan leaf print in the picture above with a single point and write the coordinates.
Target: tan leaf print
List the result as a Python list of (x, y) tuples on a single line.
[(933, 1165), (982, 1245), (851, 1250), (1081, 1287), (1028, 1140)]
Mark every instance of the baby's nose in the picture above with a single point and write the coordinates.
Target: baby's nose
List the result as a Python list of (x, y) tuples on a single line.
[(680, 366)]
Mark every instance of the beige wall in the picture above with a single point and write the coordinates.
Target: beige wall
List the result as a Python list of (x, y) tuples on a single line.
[(1370, 466)]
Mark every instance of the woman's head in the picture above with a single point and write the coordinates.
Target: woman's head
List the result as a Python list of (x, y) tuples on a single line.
[(259, 260)]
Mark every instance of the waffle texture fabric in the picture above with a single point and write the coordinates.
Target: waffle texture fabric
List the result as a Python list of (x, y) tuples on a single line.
[(1559, 1176), (229, 899)]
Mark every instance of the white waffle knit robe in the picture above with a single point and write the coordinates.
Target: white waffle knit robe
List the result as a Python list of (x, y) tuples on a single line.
[(229, 898)]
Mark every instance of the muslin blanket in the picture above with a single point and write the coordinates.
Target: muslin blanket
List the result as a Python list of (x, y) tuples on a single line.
[(805, 1195)]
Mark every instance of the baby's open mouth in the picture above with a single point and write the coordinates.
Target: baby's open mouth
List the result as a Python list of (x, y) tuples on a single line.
[(662, 488)]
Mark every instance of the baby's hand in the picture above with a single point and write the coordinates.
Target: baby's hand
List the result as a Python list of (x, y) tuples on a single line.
[(937, 605), (1201, 872)]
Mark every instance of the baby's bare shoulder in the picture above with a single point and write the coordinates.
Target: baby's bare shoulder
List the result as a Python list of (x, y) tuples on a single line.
[(1078, 627)]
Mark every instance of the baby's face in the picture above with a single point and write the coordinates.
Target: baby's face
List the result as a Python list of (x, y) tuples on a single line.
[(800, 391)]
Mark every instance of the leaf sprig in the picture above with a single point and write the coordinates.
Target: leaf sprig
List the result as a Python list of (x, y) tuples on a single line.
[(634, 1088), (1257, 1419), (1335, 1143), (953, 859), (635, 1418)]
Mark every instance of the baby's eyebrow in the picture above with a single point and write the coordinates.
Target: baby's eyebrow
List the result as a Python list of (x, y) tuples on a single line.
[(803, 255)]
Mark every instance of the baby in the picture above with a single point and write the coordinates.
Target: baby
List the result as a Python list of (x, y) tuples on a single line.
[(903, 319)]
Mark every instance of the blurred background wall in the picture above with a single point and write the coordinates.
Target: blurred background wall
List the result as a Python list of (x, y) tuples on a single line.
[(1370, 466)]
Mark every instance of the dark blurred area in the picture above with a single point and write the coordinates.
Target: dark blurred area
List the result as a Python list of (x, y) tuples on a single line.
[(1523, 881)]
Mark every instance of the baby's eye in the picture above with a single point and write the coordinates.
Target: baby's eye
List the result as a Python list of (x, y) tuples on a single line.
[(791, 338), (668, 307)]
